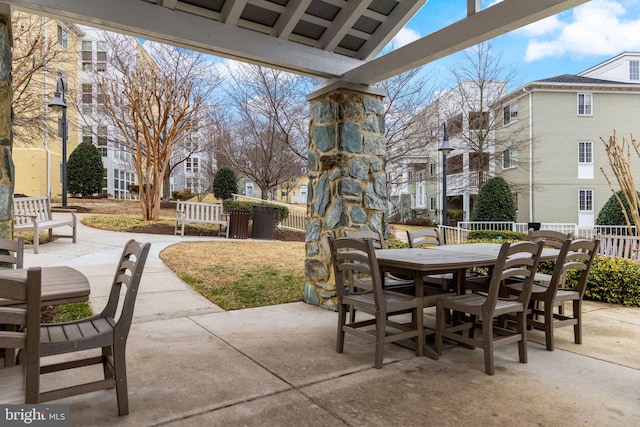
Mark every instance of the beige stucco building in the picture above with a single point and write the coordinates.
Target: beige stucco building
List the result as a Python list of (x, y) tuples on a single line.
[(37, 155)]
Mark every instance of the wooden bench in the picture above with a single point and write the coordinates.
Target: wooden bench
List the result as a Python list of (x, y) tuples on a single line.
[(35, 214), (200, 213), (620, 246)]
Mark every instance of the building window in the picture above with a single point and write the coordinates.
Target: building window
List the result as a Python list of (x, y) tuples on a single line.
[(87, 98), (192, 184), (585, 152), (433, 169), (102, 140), (634, 70), (432, 203), (101, 56), (454, 125), (478, 120), (63, 37), (87, 134), (509, 158), (585, 104), (248, 189), (510, 114), (585, 200), (192, 165), (87, 56)]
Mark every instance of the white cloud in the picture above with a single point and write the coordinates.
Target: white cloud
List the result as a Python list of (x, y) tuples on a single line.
[(542, 27), (600, 27), (404, 37)]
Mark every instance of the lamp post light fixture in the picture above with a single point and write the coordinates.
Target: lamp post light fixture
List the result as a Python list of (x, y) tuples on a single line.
[(58, 104), (445, 148)]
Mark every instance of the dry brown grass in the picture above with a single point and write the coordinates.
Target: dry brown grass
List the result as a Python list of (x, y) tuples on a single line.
[(240, 274)]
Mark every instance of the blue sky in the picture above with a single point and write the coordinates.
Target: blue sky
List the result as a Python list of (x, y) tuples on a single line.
[(566, 43)]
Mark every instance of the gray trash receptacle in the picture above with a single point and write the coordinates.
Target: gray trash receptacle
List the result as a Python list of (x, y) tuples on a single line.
[(264, 222)]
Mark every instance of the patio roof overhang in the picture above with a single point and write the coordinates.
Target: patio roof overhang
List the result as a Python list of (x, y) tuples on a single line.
[(326, 39)]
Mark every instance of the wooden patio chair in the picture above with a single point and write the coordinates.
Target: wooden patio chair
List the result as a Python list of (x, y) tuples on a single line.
[(425, 238), (550, 238), (389, 281), (107, 331), (352, 257), (576, 255), (12, 252), (20, 383), (519, 260)]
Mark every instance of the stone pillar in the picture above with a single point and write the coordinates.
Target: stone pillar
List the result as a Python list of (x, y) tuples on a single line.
[(6, 135), (347, 181)]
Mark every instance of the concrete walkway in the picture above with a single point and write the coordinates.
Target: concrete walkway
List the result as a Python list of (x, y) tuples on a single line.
[(192, 364)]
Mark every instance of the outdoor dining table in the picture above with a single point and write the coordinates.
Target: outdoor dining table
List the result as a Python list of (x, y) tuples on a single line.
[(454, 259), (60, 285)]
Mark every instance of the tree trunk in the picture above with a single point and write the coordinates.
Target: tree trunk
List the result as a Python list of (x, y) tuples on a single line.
[(6, 137)]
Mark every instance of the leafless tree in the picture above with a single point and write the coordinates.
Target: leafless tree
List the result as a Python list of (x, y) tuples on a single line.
[(269, 143), (32, 53), (154, 98), (473, 109), (619, 154)]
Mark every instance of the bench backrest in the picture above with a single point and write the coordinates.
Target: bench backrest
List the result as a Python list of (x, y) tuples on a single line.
[(39, 206), (620, 246), (200, 211)]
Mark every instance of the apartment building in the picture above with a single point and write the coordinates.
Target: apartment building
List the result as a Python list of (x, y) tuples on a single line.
[(544, 141)]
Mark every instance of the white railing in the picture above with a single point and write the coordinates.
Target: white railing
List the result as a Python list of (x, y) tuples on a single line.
[(297, 219), (453, 235), (487, 225)]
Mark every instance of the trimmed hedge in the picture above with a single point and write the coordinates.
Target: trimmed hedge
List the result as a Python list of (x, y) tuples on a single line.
[(282, 212), (495, 236)]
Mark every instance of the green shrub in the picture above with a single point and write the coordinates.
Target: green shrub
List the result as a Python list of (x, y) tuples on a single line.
[(612, 280), (282, 212), (85, 170), (495, 202), (611, 213), (421, 222), (225, 183), (182, 195), (494, 236), (396, 244)]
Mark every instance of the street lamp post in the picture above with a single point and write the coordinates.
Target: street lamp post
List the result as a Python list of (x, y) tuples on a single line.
[(445, 148), (58, 104)]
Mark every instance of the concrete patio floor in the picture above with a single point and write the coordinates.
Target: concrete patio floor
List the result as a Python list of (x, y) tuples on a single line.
[(192, 364)]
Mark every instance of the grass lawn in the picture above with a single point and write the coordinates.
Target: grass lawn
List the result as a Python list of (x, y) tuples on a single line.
[(235, 275)]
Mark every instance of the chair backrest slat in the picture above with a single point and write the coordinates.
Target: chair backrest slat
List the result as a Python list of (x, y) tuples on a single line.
[(375, 236), (514, 259), (353, 257), (128, 273), (426, 237)]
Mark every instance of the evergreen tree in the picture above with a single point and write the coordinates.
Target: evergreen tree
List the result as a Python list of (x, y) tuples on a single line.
[(495, 202), (85, 172), (225, 183), (611, 213)]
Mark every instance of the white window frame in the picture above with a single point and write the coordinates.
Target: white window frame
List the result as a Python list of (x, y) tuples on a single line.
[(63, 37), (101, 56), (510, 114), (587, 106), (585, 200), (634, 70), (585, 152), (510, 158), (192, 165)]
